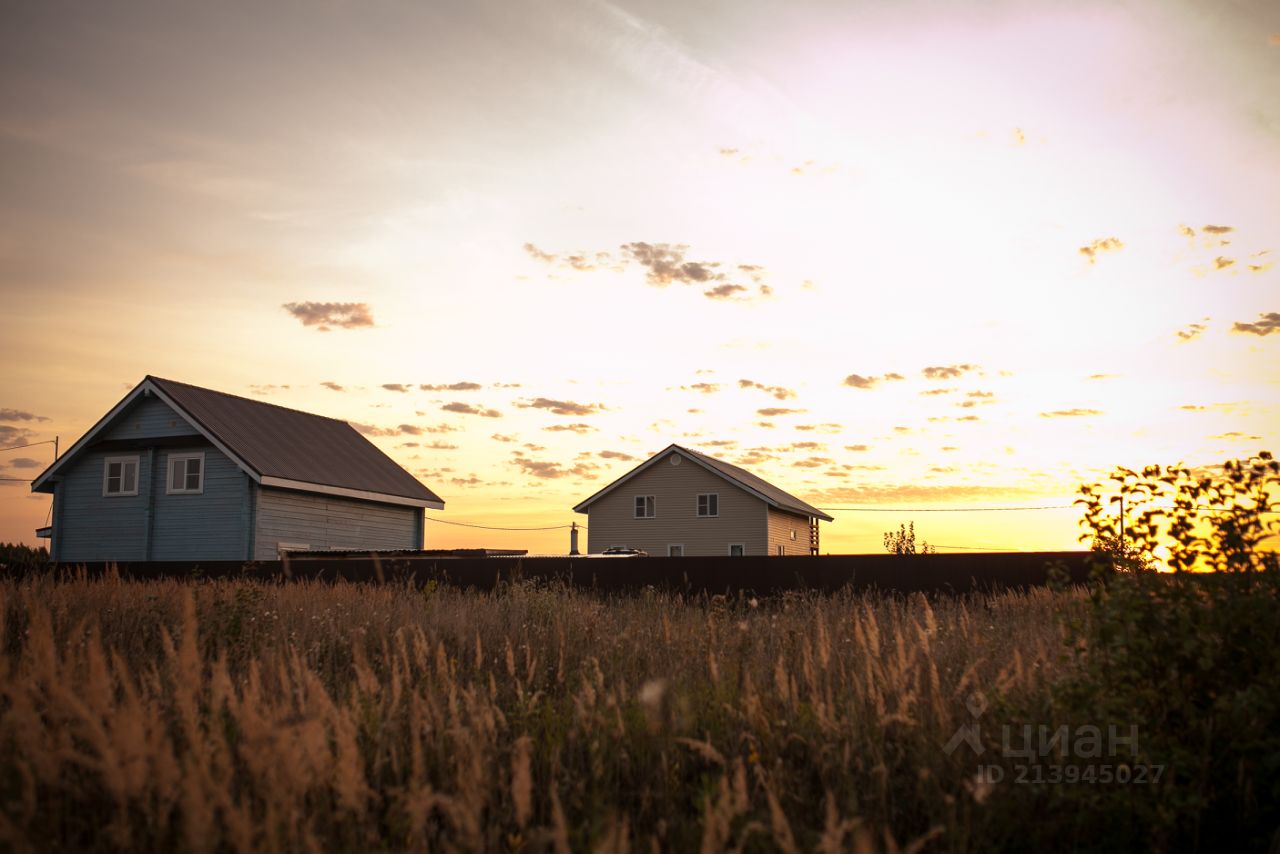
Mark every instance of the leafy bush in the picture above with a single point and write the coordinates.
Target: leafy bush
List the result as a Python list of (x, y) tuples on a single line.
[(1190, 658)]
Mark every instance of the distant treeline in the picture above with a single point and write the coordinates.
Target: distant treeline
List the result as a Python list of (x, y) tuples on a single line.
[(14, 555)]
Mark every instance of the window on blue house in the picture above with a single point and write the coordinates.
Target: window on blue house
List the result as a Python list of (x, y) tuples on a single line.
[(120, 476), (186, 474)]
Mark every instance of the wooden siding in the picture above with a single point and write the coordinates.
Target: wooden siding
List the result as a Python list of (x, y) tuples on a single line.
[(781, 525), (742, 519), (326, 522), (148, 418), (150, 525), (205, 526)]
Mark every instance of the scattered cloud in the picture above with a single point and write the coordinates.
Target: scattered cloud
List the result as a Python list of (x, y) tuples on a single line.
[(373, 430), (777, 391), (773, 411), (812, 462), (1233, 435), (570, 428), (666, 264), (947, 372), (935, 391), (25, 463), (859, 381), (1192, 332), (269, 388), (11, 415), (397, 387), (856, 447), (451, 387), (468, 409), (702, 388), (1105, 244), (1070, 413), (1266, 324), (327, 315), (466, 481), (1103, 376), (1187, 231), (502, 437), (615, 455), (1217, 229), (825, 427), (725, 291), (441, 428), (332, 386), (728, 152), (1221, 263), (554, 470), (562, 407), (538, 255), (14, 435)]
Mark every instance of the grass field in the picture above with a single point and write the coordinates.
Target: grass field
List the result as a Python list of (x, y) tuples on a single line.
[(232, 715)]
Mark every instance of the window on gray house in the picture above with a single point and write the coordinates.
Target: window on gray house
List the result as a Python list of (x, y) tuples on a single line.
[(709, 504), (645, 507)]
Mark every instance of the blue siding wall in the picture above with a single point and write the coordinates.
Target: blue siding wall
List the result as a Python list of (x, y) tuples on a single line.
[(208, 526), (147, 418), (205, 526), (92, 527)]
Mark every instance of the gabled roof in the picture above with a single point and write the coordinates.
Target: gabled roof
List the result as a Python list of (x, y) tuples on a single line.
[(740, 477), (277, 446)]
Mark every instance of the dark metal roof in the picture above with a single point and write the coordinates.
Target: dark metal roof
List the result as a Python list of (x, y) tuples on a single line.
[(743, 478), (784, 500), (300, 446)]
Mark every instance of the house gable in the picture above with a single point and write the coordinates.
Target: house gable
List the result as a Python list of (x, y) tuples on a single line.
[(741, 517)]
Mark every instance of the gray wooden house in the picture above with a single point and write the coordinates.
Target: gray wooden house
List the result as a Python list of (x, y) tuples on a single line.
[(681, 502), (177, 472)]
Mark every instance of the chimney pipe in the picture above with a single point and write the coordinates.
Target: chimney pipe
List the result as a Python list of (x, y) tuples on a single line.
[(573, 539)]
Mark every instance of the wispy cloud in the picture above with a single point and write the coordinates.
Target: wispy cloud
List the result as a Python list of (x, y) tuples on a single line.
[(1191, 332), (328, 315), (397, 387), (11, 415), (10, 435), (502, 437), (1267, 323), (1217, 229), (726, 291), (332, 386), (947, 372), (552, 470), (860, 381), (569, 428), (1104, 244), (777, 391), (702, 388), (464, 386), (1071, 413), (774, 411), (562, 407), (468, 409), (826, 427), (615, 455)]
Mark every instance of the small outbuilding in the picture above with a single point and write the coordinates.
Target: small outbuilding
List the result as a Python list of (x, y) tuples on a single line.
[(682, 502), (177, 472)]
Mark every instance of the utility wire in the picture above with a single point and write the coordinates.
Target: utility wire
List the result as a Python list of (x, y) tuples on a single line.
[(497, 528), (29, 445), (942, 509)]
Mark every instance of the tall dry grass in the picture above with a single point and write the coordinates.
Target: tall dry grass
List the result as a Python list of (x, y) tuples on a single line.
[(231, 715)]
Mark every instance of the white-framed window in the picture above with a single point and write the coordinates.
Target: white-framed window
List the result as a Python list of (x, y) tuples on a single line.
[(793, 534), (120, 476), (709, 504), (646, 507), (781, 551), (186, 474), (737, 550), (675, 550)]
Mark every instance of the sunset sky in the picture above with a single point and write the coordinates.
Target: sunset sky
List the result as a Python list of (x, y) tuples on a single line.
[(885, 255)]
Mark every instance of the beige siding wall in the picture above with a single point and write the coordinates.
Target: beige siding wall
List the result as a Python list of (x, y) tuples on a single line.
[(742, 519), (781, 526), (328, 522)]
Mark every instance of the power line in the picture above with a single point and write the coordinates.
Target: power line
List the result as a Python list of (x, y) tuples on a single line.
[(497, 528), (941, 509), (976, 548), (30, 445)]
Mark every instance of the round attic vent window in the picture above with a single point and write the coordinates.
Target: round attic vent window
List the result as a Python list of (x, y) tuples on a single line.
[(675, 459)]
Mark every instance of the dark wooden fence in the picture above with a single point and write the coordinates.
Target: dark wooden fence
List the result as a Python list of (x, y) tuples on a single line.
[(957, 573)]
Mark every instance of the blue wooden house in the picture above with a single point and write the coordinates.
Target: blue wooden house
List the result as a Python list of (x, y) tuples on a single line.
[(177, 472)]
